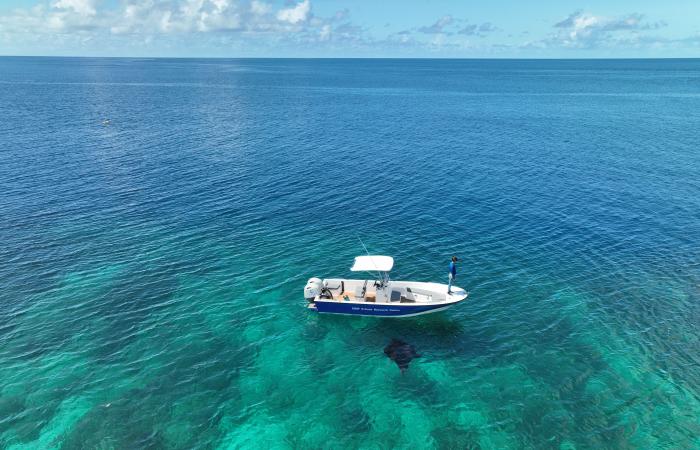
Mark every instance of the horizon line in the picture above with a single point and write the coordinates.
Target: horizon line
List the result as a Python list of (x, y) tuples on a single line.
[(362, 58)]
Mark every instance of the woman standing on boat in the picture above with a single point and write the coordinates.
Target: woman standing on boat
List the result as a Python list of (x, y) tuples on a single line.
[(453, 274)]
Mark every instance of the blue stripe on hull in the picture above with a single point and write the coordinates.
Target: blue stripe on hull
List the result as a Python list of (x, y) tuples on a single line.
[(369, 309)]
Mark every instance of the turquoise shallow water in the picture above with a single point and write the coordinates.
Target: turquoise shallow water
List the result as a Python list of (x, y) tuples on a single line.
[(152, 268)]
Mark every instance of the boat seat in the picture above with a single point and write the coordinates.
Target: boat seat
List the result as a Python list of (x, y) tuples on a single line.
[(395, 296), (358, 292), (340, 287)]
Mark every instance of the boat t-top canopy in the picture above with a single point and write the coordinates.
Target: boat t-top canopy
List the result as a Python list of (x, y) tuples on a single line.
[(372, 263)]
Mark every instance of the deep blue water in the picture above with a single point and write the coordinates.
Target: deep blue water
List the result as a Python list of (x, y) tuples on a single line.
[(152, 267)]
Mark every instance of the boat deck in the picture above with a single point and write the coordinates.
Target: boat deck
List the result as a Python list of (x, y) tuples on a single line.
[(370, 297), (401, 292), (348, 296)]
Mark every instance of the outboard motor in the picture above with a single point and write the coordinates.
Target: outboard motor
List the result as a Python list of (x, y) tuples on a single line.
[(312, 289)]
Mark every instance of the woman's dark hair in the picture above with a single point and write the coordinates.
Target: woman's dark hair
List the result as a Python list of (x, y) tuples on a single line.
[(454, 258)]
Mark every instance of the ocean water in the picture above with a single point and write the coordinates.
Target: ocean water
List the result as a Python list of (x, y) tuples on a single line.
[(152, 267)]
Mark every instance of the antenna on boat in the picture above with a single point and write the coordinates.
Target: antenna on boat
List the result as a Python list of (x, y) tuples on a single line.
[(379, 275), (363, 245)]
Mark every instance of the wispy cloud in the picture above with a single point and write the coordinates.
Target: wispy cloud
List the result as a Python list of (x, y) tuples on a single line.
[(438, 26), (585, 30), (478, 30)]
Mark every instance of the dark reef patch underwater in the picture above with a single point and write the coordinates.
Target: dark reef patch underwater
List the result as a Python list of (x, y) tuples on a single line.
[(152, 267)]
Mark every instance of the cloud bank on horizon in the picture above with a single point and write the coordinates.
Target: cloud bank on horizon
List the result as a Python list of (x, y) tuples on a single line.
[(309, 28)]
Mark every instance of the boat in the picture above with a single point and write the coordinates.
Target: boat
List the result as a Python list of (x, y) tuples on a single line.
[(380, 296)]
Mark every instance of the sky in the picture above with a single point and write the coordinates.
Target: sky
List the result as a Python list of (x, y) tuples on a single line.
[(359, 28)]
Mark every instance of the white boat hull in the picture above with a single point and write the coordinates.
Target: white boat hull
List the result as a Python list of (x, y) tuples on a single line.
[(396, 299)]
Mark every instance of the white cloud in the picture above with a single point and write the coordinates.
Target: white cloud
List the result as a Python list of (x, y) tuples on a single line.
[(581, 29), (325, 33), (56, 17), (80, 7), (628, 33), (260, 8), (209, 26), (149, 17), (298, 13)]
